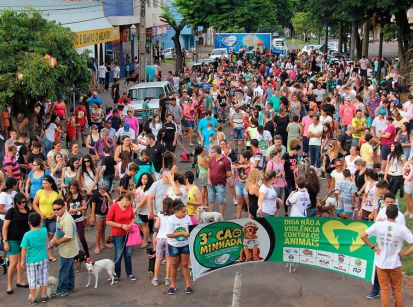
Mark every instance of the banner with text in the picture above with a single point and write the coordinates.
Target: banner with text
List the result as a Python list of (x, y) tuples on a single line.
[(329, 244)]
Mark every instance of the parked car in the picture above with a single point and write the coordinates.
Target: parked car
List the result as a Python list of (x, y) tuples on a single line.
[(169, 53), (310, 48), (219, 52), (139, 92), (202, 62)]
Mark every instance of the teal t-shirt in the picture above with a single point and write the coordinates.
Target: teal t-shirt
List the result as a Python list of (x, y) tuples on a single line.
[(145, 109), (36, 243), (275, 103), (205, 135), (144, 167), (208, 103)]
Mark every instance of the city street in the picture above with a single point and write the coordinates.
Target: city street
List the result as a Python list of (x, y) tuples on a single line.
[(259, 282)]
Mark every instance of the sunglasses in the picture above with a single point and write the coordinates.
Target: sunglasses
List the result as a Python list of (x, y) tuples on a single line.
[(57, 209), (86, 161), (339, 165), (21, 202)]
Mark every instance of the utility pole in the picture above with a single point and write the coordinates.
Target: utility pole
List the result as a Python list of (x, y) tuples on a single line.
[(142, 42)]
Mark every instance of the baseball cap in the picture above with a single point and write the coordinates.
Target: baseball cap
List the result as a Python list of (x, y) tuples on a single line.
[(126, 127), (382, 112)]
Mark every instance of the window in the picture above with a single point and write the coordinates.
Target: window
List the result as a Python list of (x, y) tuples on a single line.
[(142, 93), (155, 3)]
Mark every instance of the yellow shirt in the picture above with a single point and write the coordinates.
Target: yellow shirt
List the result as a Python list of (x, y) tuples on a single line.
[(366, 152), (46, 202), (192, 210), (356, 123)]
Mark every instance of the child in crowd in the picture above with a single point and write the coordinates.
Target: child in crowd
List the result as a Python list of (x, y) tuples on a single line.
[(299, 200), (34, 253), (346, 195), (160, 241)]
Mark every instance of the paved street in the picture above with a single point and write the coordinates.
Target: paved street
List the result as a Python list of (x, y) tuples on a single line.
[(263, 284)]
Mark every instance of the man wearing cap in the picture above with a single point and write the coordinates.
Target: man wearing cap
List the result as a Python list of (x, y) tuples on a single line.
[(379, 123), (125, 130), (108, 128)]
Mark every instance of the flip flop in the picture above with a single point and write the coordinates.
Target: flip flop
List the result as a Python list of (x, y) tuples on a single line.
[(22, 286), (107, 246), (97, 251), (52, 259)]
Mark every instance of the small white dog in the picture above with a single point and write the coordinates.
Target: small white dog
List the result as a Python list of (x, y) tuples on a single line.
[(207, 217), (331, 201), (93, 268), (51, 287)]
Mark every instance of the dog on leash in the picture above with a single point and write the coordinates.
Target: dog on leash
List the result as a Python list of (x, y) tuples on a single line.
[(52, 283), (94, 268), (81, 257), (151, 253), (326, 205), (4, 263), (133, 79), (208, 217)]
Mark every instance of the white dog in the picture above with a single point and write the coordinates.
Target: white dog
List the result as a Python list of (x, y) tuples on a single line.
[(331, 202), (51, 287), (93, 268), (207, 217)]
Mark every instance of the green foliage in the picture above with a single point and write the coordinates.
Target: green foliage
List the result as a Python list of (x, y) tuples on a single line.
[(389, 31), (304, 23), (236, 15), (25, 38)]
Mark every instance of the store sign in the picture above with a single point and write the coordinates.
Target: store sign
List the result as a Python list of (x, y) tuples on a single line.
[(329, 244), (93, 37)]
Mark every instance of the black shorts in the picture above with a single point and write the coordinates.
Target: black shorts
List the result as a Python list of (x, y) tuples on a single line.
[(144, 218)]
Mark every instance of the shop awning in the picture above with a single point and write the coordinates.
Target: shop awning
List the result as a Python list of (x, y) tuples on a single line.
[(84, 18)]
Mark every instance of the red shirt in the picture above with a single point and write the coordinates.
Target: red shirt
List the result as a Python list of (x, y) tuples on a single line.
[(218, 171), (70, 129), (124, 101), (80, 113), (117, 215), (392, 129)]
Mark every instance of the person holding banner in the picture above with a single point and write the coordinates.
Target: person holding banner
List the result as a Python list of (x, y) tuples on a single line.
[(390, 237), (267, 200)]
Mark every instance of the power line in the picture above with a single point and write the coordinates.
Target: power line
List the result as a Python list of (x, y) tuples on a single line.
[(52, 10)]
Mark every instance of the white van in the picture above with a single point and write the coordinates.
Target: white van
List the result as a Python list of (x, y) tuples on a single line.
[(139, 92), (218, 53), (279, 45)]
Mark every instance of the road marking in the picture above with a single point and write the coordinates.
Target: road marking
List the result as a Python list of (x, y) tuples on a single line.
[(236, 293)]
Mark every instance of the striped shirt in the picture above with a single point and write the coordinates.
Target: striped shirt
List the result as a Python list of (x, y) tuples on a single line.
[(10, 167), (238, 120)]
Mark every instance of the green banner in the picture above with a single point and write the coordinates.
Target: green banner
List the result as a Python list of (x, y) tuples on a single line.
[(330, 244)]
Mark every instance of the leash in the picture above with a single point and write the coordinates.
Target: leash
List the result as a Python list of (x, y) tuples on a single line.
[(123, 248)]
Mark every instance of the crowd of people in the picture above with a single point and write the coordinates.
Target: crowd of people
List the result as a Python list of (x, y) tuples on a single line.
[(269, 129)]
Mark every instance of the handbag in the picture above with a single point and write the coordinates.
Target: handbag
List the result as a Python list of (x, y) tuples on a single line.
[(134, 237)]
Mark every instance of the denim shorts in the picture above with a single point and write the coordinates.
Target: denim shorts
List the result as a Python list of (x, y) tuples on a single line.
[(217, 191), (188, 123), (50, 225), (408, 189), (176, 251), (239, 188), (239, 133)]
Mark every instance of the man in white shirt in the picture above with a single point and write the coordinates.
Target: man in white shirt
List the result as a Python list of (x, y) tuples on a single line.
[(315, 131), (379, 123), (102, 70), (390, 237), (258, 92)]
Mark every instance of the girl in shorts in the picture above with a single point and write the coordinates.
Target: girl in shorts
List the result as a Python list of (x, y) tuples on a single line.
[(160, 241), (177, 233)]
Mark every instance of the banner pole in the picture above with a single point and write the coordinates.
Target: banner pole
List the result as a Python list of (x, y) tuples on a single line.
[(236, 293)]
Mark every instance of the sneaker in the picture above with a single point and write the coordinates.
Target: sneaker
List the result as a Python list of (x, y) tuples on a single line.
[(167, 281), (45, 299), (189, 290), (163, 261), (411, 216), (116, 280), (32, 301), (171, 291), (372, 295), (59, 294), (133, 277), (155, 282)]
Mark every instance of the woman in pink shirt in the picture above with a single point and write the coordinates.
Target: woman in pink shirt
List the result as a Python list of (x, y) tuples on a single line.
[(132, 121), (347, 112), (189, 122), (305, 123)]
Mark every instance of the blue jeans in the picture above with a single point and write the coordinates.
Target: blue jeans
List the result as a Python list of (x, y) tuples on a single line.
[(315, 155), (108, 179), (376, 286), (48, 145), (121, 248), (66, 275), (305, 144)]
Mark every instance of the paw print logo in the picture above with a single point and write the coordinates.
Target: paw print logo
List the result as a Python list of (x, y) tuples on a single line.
[(236, 232)]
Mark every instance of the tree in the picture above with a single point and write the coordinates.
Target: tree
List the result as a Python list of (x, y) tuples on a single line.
[(38, 60), (303, 23), (233, 15), (177, 26)]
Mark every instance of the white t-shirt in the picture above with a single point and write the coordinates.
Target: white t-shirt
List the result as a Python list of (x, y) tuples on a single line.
[(370, 192), (6, 200), (269, 205), (350, 164), (121, 132), (315, 129), (299, 202), (263, 140), (319, 93), (175, 224), (183, 198), (102, 71), (390, 237), (380, 125), (50, 132), (381, 216), (339, 177), (162, 226)]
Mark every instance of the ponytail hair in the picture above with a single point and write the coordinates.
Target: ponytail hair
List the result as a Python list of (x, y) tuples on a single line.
[(269, 175), (128, 196)]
